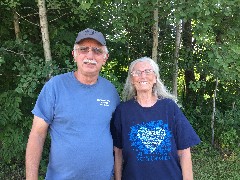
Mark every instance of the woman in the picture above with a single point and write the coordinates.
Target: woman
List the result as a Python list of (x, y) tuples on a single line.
[(152, 137)]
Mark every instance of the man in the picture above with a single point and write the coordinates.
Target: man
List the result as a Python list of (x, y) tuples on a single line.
[(77, 108)]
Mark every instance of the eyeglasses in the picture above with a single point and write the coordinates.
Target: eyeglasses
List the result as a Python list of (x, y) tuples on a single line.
[(138, 73), (85, 50)]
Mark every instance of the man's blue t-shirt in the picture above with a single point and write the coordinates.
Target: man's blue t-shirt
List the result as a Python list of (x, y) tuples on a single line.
[(150, 137), (79, 124)]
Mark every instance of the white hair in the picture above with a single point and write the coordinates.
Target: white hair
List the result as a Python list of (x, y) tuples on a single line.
[(158, 90)]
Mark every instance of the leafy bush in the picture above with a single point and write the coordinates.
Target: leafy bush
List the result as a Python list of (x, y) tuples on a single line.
[(200, 119), (228, 130), (14, 131)]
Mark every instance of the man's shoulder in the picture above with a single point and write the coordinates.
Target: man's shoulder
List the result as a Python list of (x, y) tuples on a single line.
[(105, 82), (60, 77)]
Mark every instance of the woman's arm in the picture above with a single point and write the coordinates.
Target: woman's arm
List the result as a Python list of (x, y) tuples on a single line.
[(186, 163), (118, 163)]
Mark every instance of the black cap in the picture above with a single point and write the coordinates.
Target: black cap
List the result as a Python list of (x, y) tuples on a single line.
[(91, 33)]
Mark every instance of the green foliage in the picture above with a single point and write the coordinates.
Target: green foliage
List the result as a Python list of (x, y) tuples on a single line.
[(228, 130), (196, 85), (210, 164), (33, 73), (1, 60), (200, 118), (13, 138), (12, 172), (214, 39), (108, 72), (10, 3), (13, 134), (9, 103), (224, 62), (229, 140)]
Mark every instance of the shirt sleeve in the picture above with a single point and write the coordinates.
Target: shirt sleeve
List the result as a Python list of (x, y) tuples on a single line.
[(185, 136), (44, 107), (116, 128)]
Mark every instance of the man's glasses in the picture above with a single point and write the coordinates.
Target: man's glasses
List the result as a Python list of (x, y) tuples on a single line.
[(139, 73), (85, 50)]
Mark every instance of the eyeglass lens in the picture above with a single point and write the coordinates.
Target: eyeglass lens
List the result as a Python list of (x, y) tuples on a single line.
[(139, 73), (85, 50)]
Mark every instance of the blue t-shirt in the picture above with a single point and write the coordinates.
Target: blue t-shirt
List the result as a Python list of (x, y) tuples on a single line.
[(79, 124), (150, 137)]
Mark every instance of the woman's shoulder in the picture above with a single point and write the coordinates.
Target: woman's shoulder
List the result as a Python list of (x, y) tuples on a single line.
[(126, 104), (167, 101)]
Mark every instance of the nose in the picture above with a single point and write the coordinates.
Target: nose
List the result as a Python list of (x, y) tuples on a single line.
[(143, 74), (90, 54)]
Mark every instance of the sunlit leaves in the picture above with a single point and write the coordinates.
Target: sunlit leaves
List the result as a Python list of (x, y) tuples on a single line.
[(10, 3)]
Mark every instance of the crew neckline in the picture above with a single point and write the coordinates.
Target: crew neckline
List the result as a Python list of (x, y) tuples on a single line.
[(146, 108), (84, 85)]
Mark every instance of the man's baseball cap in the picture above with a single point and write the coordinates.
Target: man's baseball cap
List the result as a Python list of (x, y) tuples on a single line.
[(91, 33)]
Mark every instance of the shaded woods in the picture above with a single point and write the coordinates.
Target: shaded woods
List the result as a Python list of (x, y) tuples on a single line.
[(195, 43)]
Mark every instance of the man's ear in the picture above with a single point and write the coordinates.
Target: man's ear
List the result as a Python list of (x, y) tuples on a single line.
[(73, 54), (105, 58)]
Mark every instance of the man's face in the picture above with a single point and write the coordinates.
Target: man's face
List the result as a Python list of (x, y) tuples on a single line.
[(90, 56)]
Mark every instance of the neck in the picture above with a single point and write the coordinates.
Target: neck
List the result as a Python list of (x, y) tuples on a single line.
[(86, 79), (146, 100)]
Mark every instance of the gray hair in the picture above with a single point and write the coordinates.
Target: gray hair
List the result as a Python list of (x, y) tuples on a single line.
[(77, 45), (158, 90)]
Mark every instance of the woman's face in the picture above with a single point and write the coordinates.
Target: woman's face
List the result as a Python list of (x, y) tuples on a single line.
[(143, 77)]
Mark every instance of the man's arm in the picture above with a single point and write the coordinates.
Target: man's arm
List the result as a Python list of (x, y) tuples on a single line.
[(118, 163), (35, 147), (186, 163)]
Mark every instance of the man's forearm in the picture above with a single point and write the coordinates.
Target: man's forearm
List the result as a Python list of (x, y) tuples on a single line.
[(33, 156)]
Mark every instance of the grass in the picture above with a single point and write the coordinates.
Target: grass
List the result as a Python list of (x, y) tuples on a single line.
[(210, 164), (11, 172)]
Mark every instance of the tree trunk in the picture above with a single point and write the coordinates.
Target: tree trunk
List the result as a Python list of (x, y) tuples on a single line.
[(176, 56), (190, 98), (214, 110), (44, 30), (155, 35), (16, 25), (218, 41)]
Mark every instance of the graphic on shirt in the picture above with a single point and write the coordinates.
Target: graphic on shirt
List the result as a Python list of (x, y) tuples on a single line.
[(103, 102), (151, 140)]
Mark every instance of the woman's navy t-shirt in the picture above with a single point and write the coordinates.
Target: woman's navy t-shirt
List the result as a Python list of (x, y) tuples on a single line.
[(150, 138)]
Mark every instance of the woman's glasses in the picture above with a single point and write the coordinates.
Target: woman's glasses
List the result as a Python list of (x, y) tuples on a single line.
[(139, 73)]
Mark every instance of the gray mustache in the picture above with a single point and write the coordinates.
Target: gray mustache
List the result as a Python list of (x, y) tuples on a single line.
[(87, 61)]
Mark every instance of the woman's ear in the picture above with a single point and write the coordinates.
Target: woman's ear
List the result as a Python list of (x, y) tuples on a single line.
[(155, 79)]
